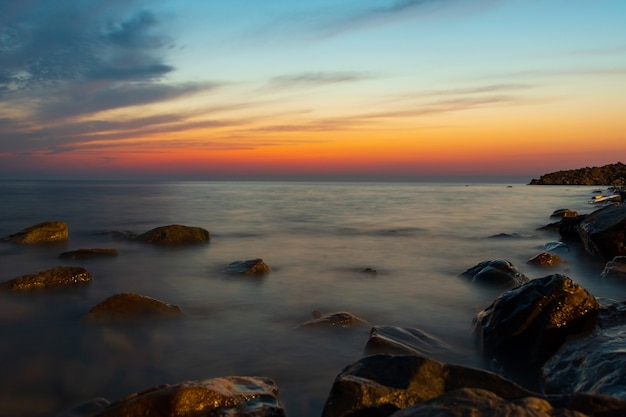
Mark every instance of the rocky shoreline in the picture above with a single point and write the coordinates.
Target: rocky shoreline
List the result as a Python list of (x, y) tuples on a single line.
[(551, 329), (611, 174)]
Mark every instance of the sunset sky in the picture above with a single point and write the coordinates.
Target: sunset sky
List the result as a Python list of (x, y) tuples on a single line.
[(310, 89)]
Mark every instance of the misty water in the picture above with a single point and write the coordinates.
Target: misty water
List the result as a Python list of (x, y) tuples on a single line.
[(317, 237)]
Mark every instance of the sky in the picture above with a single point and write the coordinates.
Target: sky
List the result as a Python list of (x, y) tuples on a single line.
[(310, 89)]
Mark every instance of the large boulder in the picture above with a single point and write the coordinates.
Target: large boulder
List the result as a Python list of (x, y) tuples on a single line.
[(391, 385), (603, 232), (498, 273), (249, 267), (526, 325), (61, 276), (175, 234), (545, 260), (593, 363), (234, 396), (47, 232), (131, 306)]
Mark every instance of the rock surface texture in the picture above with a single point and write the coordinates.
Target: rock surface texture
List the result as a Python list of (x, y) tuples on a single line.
[(175, 234), (47, 232), (237, 396), (61, 276), (526, 325), (603, 232), (397, 340), (545, 260), (615, 268), (593, 363)]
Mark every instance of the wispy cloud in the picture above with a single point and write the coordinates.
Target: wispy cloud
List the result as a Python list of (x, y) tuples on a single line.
[(314, 79)]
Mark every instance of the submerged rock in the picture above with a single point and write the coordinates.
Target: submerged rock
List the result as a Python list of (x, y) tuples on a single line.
[(131, 306), (397, 340), (175, 234), (498, 273), (526, 325), (603, 232), (340, 319), (89, 253), (249, 267), (47, 232), (545, 260), (61, 276), (615, 268), (235, 396)]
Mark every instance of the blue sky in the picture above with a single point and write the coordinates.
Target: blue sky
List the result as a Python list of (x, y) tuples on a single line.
[(405, 82)]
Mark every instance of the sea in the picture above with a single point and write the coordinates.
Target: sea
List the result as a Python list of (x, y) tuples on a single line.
[(318, 238)]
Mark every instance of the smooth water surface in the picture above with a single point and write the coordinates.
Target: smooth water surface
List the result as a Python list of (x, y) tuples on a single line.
[(317, 237)]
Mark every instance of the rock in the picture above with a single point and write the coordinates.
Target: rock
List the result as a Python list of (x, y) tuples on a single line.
[(390, 339), (235, 396), (476, 402), (175, 234), (249, 267), (603, 232), (545, 260), (509, 236), (88, 253), (498, 273), (567, 227), (564, 213), (555, 247), (61, 276), (611, 174), (128, 306), (340, 319), (524, 326), (369, 271), (47, 232), (379, 385), (615, 268), (595, 362)]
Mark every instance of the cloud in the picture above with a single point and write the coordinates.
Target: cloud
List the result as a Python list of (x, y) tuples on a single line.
[(314, 79)]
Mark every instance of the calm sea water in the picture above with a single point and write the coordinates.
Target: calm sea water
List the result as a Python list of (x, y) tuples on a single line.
[(317, 237)]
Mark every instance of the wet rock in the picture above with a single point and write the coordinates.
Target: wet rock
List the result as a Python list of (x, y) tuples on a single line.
[(249, 267), (593, 363), (545, 260), (236, 396), (568, 227), (476, 402), (61, 276), (369, 271), (175, 234), (379, 385), (498, 273), (391, 339), (526, 325), (89, 253), (131, 306), (555, 247), (340, 319), (509, 236), (603, 232), (47, 232), (615, 268), (564, 213)]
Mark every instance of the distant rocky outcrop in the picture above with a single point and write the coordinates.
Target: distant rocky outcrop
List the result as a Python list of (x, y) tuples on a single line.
[(61, 276), (612, 174), (46, 232)]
